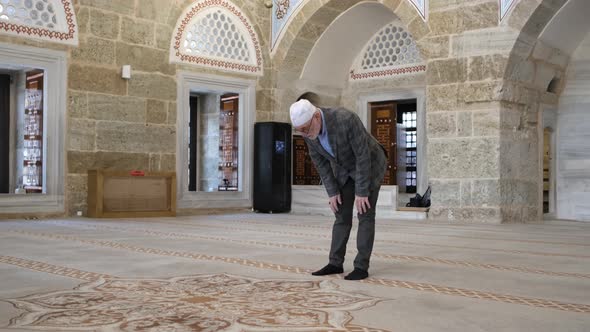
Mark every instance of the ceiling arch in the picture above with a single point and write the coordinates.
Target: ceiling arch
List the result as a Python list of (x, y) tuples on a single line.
[(332, 56), (568, 28)]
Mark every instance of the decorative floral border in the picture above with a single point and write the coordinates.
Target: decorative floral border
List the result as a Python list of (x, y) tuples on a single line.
[(387, 72), (43, 33), (228, 65), (279, 23)]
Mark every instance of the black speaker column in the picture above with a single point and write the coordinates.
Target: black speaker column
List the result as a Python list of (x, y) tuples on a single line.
[(272, 167)]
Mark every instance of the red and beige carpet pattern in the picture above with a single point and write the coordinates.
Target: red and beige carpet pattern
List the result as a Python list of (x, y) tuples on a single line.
[(251, 272), (194, 303)]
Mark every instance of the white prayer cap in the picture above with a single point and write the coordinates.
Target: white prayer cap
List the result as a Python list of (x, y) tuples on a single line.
[(301, 112)]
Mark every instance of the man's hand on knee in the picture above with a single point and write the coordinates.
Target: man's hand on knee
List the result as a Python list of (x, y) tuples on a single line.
[(334, 202), (362, 204)]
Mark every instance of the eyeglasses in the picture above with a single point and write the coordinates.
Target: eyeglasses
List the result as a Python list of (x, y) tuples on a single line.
[(306, 133)]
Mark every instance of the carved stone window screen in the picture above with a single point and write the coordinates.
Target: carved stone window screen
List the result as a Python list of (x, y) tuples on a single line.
[(52, 20), (215, 33), (392, 50), (392, 46), (29, 12)]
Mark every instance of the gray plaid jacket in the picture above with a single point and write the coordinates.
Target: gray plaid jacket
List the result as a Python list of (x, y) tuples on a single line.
[(358, 155)]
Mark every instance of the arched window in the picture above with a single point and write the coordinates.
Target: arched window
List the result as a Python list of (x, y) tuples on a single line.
[(51, 20), (215, 33), (391, 51)]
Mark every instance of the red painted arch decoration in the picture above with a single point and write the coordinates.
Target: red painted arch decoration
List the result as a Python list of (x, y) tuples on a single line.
[(387, 72)]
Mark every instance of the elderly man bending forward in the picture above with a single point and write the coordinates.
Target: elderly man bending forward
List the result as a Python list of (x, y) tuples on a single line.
[(352, 165)]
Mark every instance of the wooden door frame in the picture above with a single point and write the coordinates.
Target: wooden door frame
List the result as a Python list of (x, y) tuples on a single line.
[(421, 135)]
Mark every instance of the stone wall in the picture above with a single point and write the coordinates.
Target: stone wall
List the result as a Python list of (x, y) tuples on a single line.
[(463, 123), (484, 86), (530, 68), (356, 89), (461, 65), (482, 99), (129, 124), (115, 123), (523, 98)]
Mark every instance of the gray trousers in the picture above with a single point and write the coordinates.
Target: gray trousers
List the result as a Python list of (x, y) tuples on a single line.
[(343, 224)]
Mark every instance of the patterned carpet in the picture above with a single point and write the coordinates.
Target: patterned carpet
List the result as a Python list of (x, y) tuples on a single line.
[(196, 303), (251, 272)]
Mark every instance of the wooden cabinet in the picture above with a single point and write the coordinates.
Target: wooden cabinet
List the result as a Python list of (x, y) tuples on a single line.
[(122, 194)]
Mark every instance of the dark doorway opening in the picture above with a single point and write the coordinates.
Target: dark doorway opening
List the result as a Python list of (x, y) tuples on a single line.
[(192, 144), (4, 134)]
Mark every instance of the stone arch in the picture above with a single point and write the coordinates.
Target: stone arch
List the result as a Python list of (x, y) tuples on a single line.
[(536, 69), (533, 82), (313, 98), (545, 68), (530, 19), (309, 35), (51, 20), (247, 31), (306, 27), (305, 30)]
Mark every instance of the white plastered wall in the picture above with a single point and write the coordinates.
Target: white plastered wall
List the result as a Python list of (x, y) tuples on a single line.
[(573, 135)]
